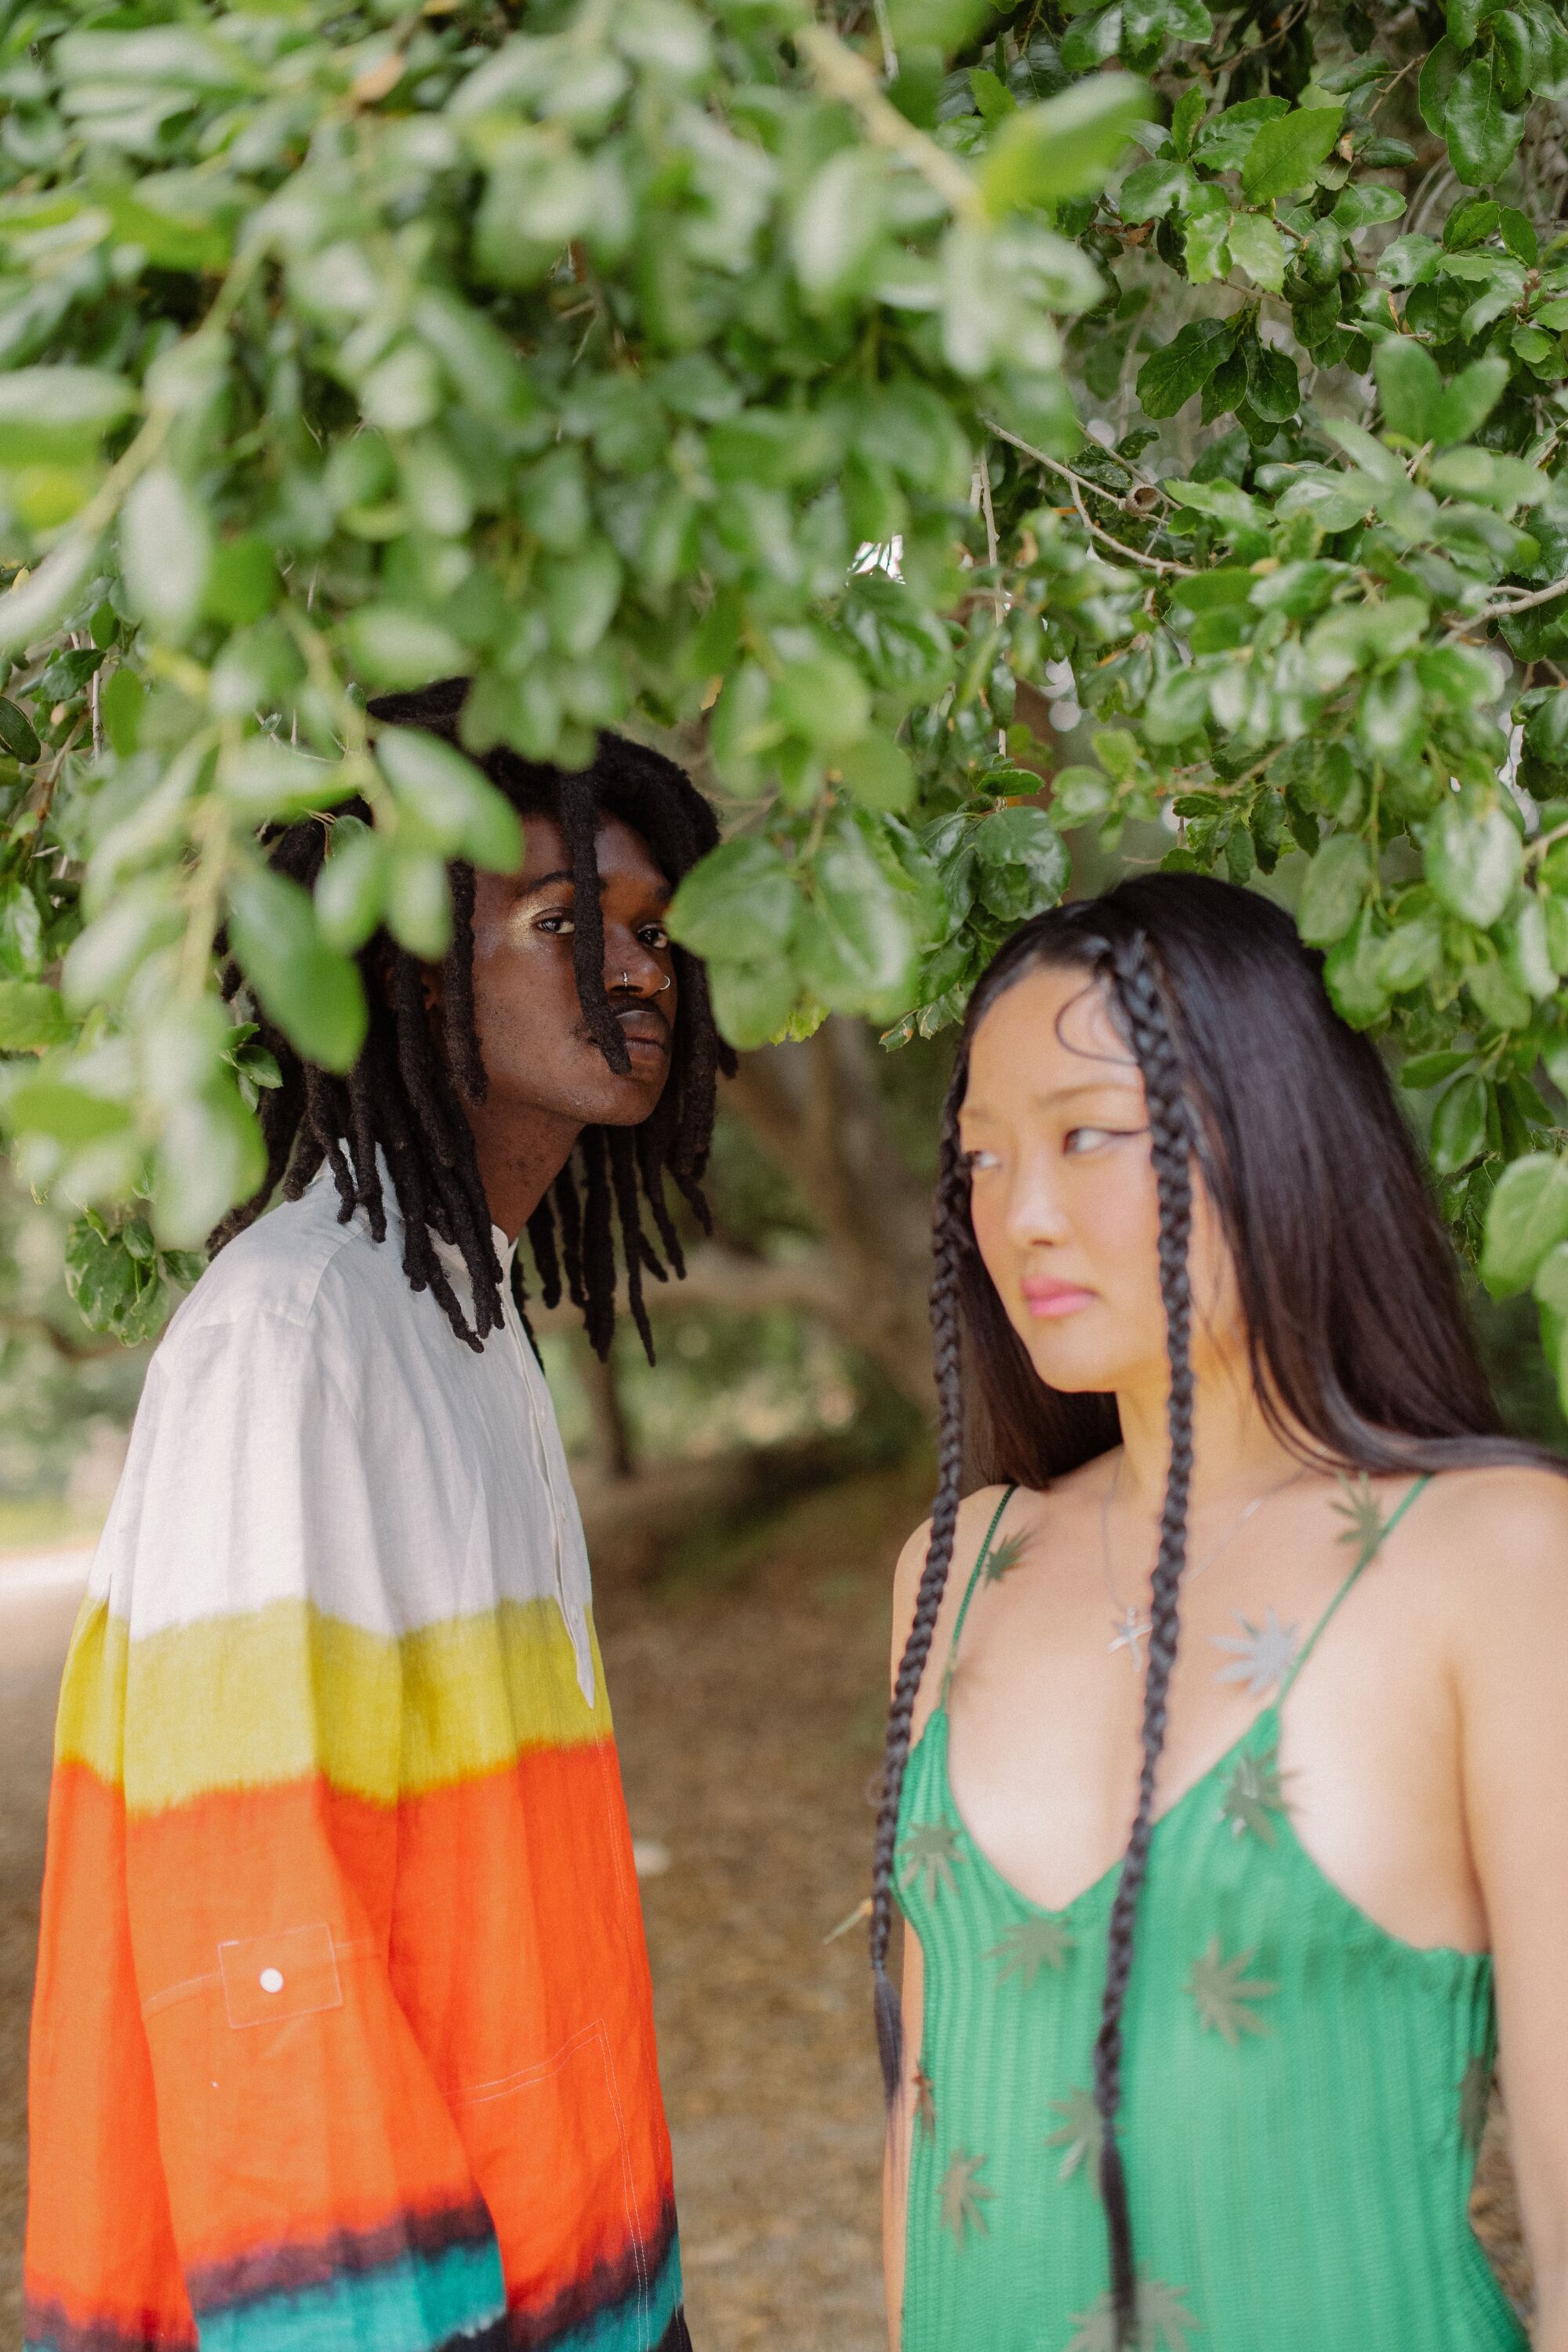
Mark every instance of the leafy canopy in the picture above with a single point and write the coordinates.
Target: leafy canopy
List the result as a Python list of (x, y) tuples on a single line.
[(721, 368)]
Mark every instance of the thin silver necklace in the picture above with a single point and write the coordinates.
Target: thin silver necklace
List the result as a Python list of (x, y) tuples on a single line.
[(1130, 1626)]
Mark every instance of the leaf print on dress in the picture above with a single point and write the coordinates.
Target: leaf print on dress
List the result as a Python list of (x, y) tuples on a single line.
[(1081, 2133), (929, 1853), (1030, 1945), (1255, 1789), (1164, 2323), (965, 2196), (1003, 1557), (1264, 1655), (1367, 1525), (1221, 1988)]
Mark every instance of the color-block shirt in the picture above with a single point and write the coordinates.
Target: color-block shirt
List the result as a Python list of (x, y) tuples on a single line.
[(342, 2034)]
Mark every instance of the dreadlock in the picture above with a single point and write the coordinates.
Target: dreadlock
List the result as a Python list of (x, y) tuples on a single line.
[(403, 1101), (1361, 1354)]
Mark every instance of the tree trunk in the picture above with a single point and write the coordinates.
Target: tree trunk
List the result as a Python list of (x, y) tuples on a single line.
[(815, 1109)]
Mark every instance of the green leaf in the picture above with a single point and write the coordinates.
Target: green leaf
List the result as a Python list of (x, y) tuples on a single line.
[(1410, 385), (16, 734), (1469, 400), (1332, 890), (50, 1104), (30, 608), (1065, 147), (1474, 858), (350, 889), (1423, 1070), (1482, 134), (59, 413), (117, 1278), (1288, 150), (839, 223), (32, 1015), (753, 1002), (268, 778), (856, 949), (312, 992), (1256, 246), (1023, 860), (393, 646), (1149, 192), (1169, 376), (1528, 1216), (209, 1156), (1438, 74), (738, 905), (166, 547), (419, 902), (1459, 1125), (879, 772), (824, 700), (460, 809)]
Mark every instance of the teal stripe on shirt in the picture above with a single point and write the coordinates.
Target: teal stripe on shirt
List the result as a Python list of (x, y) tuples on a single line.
[(412, 2305)]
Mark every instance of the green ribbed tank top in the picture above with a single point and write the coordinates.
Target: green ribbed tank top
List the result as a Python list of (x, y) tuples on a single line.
[(1302, 2093)]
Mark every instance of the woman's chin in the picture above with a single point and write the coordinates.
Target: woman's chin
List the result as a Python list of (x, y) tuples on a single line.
[(1071, 1362)]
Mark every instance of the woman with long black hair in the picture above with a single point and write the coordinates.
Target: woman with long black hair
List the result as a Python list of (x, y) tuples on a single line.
[(1259, 1572)]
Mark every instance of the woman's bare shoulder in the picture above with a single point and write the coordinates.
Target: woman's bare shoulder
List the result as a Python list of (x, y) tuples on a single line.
[(1493, 1543), (976, 1512)]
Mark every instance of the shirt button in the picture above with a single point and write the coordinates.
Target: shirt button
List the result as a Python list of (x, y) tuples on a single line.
[(271, 1979)]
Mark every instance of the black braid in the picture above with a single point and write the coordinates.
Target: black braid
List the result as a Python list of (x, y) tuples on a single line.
[(580, 823), (541, 1240), (947, 1250), (635, 1252), (1138, 1002), (401, 1108), (1170, 1149), (569, 1210), (598, 1241)]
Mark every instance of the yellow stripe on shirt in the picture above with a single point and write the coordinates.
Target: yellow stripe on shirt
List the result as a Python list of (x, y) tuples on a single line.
[(284, 1692)]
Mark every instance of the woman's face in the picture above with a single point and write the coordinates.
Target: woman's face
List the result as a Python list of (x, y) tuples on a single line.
[(1055, 1129)]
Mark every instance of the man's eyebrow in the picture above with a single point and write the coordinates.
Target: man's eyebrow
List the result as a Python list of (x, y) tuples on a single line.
[(660, 889)]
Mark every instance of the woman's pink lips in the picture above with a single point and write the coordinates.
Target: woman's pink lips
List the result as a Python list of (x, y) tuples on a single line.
[(1050, 1299)]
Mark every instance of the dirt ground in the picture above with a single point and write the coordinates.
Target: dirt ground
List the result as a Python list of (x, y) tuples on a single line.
[(748, 1692)]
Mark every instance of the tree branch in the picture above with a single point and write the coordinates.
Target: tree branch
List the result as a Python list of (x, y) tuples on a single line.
[(1134, 555), (731, 1282), (843, 74)]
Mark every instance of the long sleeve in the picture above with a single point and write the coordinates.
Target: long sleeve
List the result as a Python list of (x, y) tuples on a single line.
[(238, 2140)]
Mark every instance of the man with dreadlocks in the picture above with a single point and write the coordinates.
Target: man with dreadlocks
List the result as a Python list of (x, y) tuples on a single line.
[(342, 2034)]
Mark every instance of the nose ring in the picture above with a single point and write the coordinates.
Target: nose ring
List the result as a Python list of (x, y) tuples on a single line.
[(664, 984)]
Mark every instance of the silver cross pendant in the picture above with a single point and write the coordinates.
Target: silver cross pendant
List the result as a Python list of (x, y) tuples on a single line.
[(1130, 1629)]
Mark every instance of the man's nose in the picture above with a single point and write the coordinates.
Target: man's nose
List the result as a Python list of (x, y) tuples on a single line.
[(631, 967)]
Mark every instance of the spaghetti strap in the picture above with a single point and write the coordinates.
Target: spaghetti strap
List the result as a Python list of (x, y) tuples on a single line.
[(1369, 1552), (984, 1554)]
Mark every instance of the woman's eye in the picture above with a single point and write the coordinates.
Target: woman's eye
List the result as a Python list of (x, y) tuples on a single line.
[(557, 925), (654, 935), (980, 1162), (1088, 1138)]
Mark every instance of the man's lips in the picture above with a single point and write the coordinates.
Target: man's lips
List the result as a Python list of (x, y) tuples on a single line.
[(1048, 1301), (645, 1029)]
